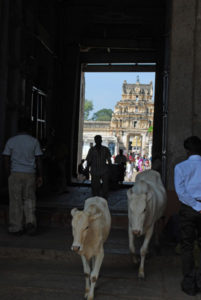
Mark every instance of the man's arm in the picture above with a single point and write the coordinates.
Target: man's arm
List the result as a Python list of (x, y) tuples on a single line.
[(39, 171), (88, 159), (183, 195)]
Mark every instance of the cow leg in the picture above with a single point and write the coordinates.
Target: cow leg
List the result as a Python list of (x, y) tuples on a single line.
[(87, 272), (143, 251), (95, 273), (131, 238), (93, 262)]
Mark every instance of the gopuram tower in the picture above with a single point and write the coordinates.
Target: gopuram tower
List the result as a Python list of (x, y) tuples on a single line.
[(132, 120)]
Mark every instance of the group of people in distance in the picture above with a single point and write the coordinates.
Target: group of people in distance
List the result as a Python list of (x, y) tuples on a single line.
[(99, 158)]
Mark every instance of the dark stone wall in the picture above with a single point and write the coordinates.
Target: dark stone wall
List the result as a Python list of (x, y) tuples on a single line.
[(30, 56), (40, 46)]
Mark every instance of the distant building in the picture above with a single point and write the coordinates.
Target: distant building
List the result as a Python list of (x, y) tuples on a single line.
[(131, 125)]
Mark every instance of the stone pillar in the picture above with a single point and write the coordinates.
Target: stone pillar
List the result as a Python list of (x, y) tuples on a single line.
[(71, 94), (184, 108), (127, 142), (197, 74), (143, 143), (81, 118), (15, 82), (4, 20)]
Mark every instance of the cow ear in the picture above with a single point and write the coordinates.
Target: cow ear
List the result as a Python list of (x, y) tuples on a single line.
[(73, 211), (96, 216)]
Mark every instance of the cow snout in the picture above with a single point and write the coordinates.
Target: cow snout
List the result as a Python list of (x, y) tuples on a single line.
[(136, 232), (75, 248)]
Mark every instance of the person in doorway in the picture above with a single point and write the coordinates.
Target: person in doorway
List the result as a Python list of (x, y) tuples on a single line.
[(140, 164), (98, 161), (22, 157), (187, 180), (129, 171), (83, 173), (121, 160)]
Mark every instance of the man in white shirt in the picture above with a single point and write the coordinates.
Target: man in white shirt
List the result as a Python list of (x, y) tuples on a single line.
[(98, 160), (24, 169), (187, 179)]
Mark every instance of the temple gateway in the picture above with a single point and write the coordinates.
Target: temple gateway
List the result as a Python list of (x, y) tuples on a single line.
[(131, 126)]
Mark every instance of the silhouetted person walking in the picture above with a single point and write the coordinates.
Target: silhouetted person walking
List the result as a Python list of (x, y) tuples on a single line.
[(98, 161), (24, 169), (121, 160)]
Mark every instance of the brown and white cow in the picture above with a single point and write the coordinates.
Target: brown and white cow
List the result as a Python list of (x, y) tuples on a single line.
[(91, 228), (146, 204)]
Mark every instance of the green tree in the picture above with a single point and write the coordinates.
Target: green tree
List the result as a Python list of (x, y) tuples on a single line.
[(88, 107), (104, 114)]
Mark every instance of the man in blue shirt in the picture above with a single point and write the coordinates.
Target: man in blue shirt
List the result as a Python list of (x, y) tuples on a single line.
[(187, 179)]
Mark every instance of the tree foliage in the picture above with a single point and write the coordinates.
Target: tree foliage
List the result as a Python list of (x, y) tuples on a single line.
[(88, 107), (104, 114)]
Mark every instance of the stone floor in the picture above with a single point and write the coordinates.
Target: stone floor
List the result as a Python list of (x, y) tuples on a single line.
[(43, 267), (76, 196)]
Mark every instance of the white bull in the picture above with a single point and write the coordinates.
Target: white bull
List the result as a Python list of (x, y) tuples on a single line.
[(146, 204), (91, 228)]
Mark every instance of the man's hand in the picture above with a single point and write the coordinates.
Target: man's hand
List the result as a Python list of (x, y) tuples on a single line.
[(39, 181)]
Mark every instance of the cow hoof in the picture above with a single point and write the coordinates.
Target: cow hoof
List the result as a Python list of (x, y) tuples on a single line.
[(93, 279)]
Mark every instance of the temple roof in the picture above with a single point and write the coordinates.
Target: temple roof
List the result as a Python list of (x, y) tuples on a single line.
[(137, 88)]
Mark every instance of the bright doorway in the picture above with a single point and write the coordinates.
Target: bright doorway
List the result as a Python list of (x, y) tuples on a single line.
[(120, 107)]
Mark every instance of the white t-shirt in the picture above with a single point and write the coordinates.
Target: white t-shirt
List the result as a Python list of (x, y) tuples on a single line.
[(22, 149)]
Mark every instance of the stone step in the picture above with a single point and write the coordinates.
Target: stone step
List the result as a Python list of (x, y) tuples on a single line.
[(57, 217), (54, 243)]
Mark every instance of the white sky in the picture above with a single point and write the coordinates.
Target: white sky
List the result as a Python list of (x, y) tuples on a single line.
[(105, 88)]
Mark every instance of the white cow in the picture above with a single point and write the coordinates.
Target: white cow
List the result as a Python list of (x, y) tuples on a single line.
[(91, 228), (146, 204)]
